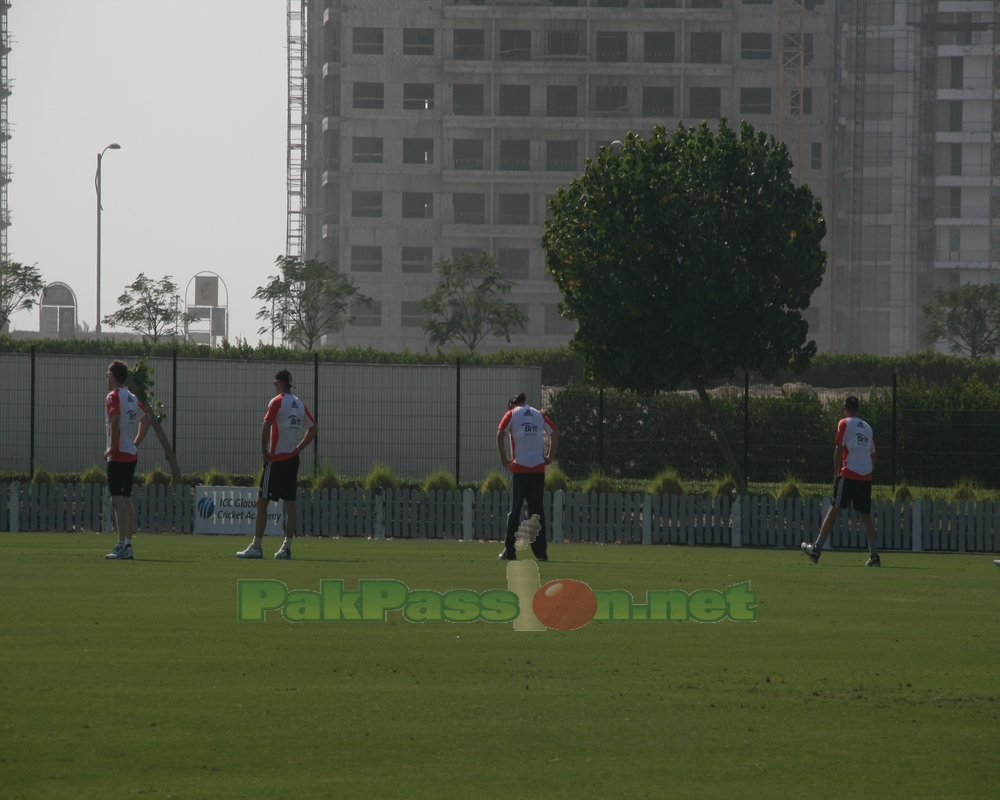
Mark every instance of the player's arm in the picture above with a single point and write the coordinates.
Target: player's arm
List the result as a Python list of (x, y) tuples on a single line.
[(838, 459), (265, 439), (114, 424), (874, 454), (502, 448), (144, 423), (553, 445), (310, 435)]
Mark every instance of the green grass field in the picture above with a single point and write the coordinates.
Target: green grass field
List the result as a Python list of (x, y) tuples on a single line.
[(135, 679)]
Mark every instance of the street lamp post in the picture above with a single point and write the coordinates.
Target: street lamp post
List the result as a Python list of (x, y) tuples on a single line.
[(97, 185)]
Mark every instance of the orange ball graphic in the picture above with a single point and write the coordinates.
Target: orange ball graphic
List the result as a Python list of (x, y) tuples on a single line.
[(564, 605)]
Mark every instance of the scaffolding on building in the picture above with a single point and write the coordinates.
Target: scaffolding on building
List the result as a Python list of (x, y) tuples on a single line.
[(5, 174), (857, 170), (791, 80), (295, 223), (994, 234)]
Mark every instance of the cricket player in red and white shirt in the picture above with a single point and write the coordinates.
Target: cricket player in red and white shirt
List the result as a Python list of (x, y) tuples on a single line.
[(854, 459), (522, 428), (281, 441), (126, 423)]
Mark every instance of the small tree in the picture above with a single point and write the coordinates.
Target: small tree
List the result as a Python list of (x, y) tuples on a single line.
[(307, 300), (20, 285), (468, 304), (687, 257), (966, 318), (150, 308)]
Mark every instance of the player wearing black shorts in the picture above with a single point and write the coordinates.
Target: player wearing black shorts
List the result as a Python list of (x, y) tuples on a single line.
[(854, 459), (281, 441), (127, 424)]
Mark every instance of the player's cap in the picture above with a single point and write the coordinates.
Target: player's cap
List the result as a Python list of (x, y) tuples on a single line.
[(851, 403), (285, 376), (516, 400)]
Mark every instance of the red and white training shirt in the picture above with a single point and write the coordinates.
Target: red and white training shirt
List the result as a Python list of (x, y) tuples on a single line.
[(856, 437), (129, 410), (524, 426), (287, 414)]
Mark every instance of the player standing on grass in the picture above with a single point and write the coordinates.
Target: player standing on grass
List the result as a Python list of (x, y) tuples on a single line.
[(854, 458), (127, 423), (522, 425), (281, 441)]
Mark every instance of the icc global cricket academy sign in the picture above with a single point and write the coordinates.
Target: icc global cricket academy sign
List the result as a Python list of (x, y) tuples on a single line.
[(225, 509), (562, 604)]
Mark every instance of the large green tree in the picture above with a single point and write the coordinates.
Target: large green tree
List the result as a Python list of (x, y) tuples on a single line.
[(966, 318), (307, 299), (20, 286), (685, 257), (469, 303), (150, 308)]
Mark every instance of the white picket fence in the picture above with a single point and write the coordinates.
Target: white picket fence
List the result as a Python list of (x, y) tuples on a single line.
[(755, 521)]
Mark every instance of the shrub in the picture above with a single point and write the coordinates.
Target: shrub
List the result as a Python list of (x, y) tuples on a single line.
[(42, 475), (95, 474), (790, 488), (380, 477), (326, 478), (667, 482), (555, 479), (598, 483), (725, 486), (157, 477), (965, 491), (216, 477), (494, 482), (440, 481), (902, 494)]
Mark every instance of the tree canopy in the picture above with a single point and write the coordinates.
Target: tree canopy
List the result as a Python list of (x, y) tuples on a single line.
[(687, 257), (468, 304), (307, 300), (20, 286), (150, 308), (966, 318)]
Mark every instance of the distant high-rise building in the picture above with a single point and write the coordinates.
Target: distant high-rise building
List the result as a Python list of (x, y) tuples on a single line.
[(441, 128), (4, 130)]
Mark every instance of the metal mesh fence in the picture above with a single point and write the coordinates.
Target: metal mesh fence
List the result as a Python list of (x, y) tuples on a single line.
[(774, 434), (414, 419)]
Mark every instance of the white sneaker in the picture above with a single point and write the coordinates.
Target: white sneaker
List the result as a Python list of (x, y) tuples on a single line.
[(119, 552), (250, 552), (811, 552), (284, 554), (997, 562)]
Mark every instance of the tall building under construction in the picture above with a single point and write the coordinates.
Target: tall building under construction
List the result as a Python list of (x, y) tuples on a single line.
[(427, 130)]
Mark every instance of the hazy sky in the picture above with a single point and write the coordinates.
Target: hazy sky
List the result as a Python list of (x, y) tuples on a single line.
[(194, 91)]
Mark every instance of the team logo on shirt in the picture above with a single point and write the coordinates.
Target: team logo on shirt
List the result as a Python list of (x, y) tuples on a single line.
[(294, 421)]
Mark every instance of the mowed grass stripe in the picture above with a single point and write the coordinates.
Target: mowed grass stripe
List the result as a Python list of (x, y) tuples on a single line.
[(135, 677)]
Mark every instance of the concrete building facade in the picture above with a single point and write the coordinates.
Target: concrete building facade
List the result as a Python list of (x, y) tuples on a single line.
[(440, 128)]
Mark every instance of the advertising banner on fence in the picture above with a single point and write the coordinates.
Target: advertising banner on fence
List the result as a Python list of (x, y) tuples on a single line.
[(231, 509)]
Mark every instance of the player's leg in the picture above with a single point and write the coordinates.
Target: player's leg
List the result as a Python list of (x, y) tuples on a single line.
[(863, 505), (535, 495), (260, 521), (287, 480), (517, 493), (285, 551), (814, 550), (120, 475)]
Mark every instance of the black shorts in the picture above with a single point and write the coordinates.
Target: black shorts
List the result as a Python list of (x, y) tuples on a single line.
[(280, 479), (849, 491), (120, 475)]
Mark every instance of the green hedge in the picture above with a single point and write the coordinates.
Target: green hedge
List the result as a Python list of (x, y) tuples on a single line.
[(559, 365), (943, 433)]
